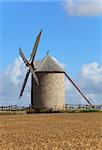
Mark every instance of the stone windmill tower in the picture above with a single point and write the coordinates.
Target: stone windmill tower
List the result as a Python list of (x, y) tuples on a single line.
[(47, 82), (50, 93)]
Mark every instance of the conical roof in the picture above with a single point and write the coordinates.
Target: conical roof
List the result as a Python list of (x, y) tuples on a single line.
[(48, 64)]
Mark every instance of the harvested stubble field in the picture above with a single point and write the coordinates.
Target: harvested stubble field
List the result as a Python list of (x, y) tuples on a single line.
[(67, 131)]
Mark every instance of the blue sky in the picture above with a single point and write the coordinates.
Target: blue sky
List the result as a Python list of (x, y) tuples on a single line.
[(73, 38)]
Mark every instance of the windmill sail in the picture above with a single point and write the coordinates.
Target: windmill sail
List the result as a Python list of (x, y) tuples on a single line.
[(24, 83), (30, 64), (22, 55), (35, 46)]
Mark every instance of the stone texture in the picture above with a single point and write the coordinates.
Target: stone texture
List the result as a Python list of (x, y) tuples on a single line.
[(50, 93)]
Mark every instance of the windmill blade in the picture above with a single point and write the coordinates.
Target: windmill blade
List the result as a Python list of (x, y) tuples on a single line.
[(34, 74), (35, 46), (23, 57), (77, 88), (24, 83)]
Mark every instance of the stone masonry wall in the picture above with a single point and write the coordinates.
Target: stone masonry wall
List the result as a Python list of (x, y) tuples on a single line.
[(50, 93)]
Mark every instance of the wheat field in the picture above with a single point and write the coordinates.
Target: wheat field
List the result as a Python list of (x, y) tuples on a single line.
[(62, 131)]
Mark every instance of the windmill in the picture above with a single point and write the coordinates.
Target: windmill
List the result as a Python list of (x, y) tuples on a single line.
[(47, 88)]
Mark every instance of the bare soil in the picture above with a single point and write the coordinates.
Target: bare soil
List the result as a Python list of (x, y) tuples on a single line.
[(67, 131)]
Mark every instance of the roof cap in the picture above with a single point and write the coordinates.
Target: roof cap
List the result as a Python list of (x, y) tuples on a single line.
[(48, 64)]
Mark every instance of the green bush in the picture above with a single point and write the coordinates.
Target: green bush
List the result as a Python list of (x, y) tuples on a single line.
[(88, 110)]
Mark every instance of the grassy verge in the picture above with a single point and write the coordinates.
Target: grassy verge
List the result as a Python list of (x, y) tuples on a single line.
[(33, 111), (12, 112)]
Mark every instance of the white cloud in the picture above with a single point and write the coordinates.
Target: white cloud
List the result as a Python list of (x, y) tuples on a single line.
[(83, 7), (11, 80), (90, 79), (90, 82), (14, 70), (92, 72)]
